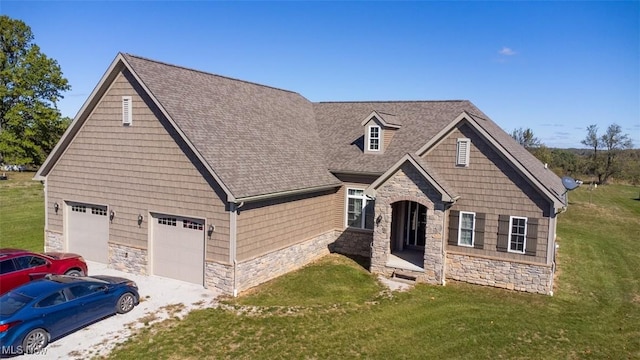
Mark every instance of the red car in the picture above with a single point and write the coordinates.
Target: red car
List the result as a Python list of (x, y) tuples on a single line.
[(21, 266)]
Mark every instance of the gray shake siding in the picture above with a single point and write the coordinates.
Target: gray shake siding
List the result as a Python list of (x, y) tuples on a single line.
[(275, 224), (491, 186), (137, 169)]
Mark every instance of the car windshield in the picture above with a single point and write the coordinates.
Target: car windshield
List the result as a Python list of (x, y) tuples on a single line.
[(12, 302)]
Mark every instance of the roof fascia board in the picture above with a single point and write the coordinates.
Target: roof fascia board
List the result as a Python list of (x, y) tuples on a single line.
[(380, 119), (103, 85), (370, 191), (286, 193), (230, 196)]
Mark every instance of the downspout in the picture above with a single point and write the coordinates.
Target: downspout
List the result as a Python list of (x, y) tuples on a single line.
[(234, 243), (46, 212)]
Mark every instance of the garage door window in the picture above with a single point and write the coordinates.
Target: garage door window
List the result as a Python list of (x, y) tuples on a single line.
[(187, 224), (79, 208), (99, 211), (167, 221)]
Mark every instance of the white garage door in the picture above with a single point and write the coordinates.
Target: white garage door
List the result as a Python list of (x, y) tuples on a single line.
[(88, 231), (178, 248)]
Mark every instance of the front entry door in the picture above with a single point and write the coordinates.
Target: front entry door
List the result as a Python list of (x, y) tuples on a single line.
[(416, 225)]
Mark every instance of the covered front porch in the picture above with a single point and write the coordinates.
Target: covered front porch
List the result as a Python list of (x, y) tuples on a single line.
[(408, 235)]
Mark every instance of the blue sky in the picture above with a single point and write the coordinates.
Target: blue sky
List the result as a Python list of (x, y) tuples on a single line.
[(554, 67)]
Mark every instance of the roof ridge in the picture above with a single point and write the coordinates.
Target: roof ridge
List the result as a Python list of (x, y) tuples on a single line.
[(387, 101), (209, 73)]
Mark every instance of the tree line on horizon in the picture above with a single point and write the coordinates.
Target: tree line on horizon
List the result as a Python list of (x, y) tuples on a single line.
[(607, 157)]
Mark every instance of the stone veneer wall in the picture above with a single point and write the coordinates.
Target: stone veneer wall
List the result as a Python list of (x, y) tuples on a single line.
[(128, 259), (53, 241), (499, 273), (408, 185), (219, 276), (353, 242), (266, 267)]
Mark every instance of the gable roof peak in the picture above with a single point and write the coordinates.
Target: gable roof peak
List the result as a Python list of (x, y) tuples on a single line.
[(386, 119)]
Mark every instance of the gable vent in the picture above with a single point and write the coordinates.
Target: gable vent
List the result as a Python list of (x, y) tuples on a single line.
[(126, 110), (462, 156)]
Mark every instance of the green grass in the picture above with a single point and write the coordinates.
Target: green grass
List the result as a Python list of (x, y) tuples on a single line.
[(335, 309), (21, 212)]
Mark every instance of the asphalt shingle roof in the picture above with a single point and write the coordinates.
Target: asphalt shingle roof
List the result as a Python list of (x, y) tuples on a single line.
[(261, 140), (343, 136), (258, 139)]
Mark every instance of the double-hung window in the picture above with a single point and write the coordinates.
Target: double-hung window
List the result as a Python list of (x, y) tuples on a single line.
[(374, 138), (359, 209), (466, 228), (517, 234)]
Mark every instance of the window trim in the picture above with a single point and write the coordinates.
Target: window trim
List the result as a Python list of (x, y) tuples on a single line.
[(459, 161), (369, 138), (364, 199), (473, 228), (524, 235)]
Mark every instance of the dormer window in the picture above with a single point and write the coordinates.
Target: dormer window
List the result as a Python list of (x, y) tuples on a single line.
[(378, 129), (374, 138)]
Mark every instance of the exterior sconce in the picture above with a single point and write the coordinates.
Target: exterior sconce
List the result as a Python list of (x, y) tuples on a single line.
[(112, 214), (210, 231), (378, 219), (140, 218), (56, 207)]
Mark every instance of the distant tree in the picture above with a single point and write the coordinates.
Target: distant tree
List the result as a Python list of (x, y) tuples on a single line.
[(30, 86), (604, 166), (542, 153), (526, 138), (565, 160)]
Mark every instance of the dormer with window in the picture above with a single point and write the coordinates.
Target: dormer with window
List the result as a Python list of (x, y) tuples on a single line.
[(379, 128)]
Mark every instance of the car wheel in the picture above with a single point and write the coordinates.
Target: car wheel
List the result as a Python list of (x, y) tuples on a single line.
[(74, 272), (35, 341), (126, 302)]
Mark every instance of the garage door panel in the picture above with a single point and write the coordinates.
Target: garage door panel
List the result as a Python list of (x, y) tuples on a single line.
[(88, 231), (178, 248)]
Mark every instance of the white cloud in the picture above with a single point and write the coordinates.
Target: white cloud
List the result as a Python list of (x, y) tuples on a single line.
[(506, 51)]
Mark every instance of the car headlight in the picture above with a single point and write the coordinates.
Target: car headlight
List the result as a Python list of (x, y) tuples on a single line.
[(132, 284)]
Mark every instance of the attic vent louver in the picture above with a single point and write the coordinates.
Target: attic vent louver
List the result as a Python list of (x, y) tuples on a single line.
[(126, 110), (462, 156)]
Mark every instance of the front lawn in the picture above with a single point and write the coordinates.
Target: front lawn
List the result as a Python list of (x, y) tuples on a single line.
[(334, 309)]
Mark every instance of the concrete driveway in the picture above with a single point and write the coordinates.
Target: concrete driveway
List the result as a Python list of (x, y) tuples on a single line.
[(160, 298)]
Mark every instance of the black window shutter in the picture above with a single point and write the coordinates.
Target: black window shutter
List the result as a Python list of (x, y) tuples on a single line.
[(454, 221), (478, 234), (532, 236), (503, 233)]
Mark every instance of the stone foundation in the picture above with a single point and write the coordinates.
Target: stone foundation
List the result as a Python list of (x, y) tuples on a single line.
[(53, 241), (353, 242), (500, 273), (218, 276), (128, 259), (266, 267)]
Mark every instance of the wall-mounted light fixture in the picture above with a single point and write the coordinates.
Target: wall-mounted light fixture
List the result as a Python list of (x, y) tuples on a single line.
[(112, 214), (378, 219), (140, 218), (56, 207), (210, 231)]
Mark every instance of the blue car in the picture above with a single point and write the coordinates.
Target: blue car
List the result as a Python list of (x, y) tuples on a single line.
[(43, 310)]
